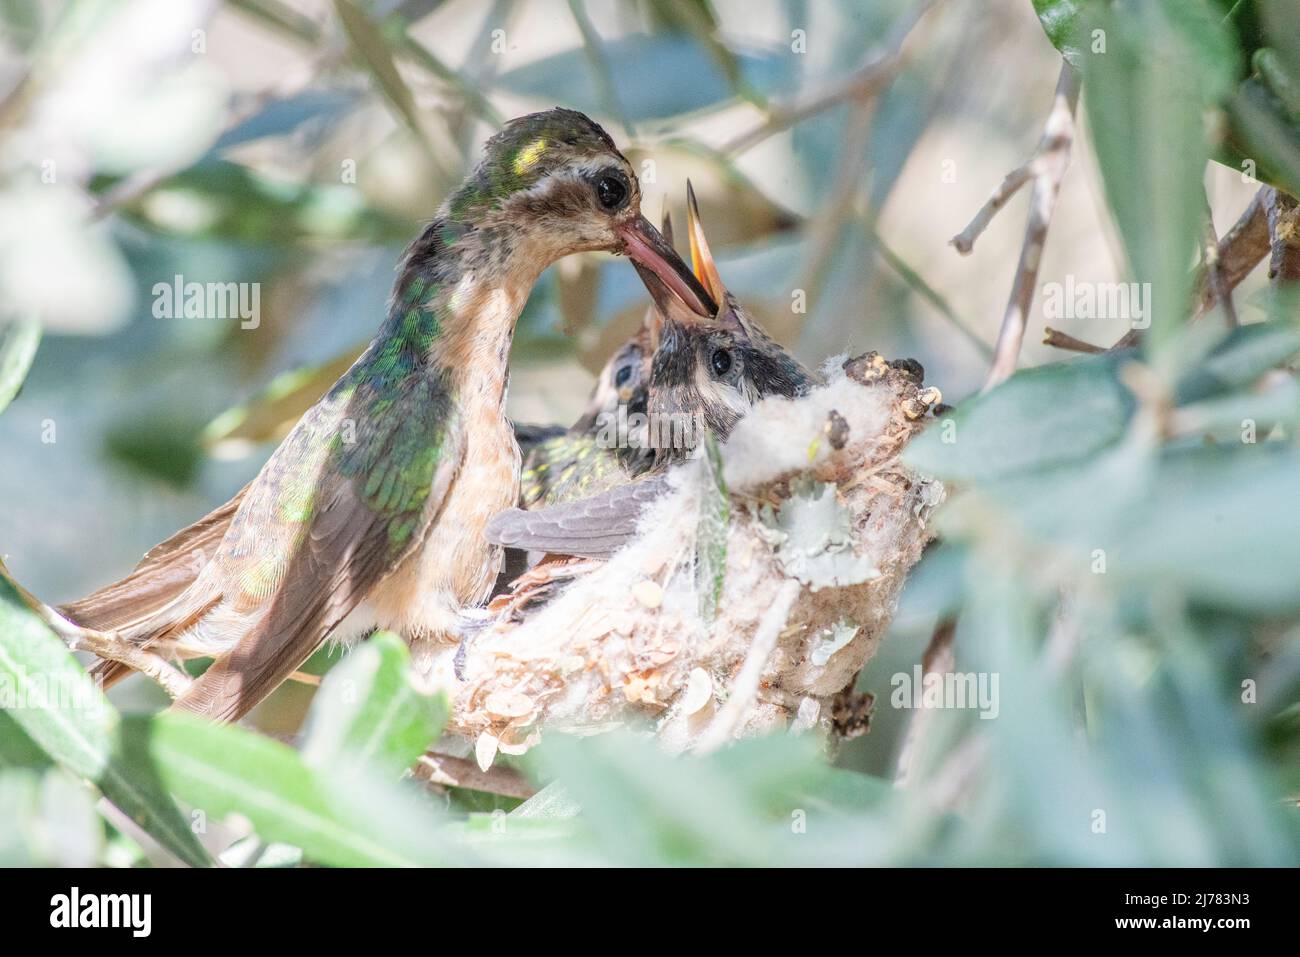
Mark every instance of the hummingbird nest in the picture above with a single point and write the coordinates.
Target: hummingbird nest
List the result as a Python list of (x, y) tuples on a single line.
[(756, 588)]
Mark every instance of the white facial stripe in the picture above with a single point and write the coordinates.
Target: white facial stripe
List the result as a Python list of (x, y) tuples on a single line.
[(739, 400)]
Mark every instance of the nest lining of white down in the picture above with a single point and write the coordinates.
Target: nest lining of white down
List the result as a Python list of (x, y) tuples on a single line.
[(824, 524)]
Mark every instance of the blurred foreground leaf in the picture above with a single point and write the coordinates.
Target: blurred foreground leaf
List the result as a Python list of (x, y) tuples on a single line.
[(18, 342), (61, 709), (1040, 417), (686, 77), (1162, 64), (269, 415), (368, 710), (223, 770)]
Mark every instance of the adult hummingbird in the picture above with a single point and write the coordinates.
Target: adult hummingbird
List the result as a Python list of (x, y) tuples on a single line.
[(703, 368), (370, 513)]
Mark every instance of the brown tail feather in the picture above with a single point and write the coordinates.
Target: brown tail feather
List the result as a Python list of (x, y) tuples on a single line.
[(165, 572), (108, 673), (130, 606)]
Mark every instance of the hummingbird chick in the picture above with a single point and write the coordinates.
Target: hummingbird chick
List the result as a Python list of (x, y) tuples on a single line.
[(705, 370), (370, 513)]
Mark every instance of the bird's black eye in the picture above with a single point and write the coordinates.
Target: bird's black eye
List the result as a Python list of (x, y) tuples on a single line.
[(622, 375), (721, 361), (611, 190)]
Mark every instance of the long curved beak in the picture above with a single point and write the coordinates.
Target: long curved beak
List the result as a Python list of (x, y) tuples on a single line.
[(667, 304), (652, 254)]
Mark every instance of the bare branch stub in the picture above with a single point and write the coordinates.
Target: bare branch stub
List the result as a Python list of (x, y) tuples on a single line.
[(1060, 340), (1046, 169)]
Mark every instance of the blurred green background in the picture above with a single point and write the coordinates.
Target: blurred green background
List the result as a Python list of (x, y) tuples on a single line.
[(300, 144)]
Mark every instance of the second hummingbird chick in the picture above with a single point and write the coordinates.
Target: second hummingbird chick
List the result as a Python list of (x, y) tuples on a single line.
[(582, 460)]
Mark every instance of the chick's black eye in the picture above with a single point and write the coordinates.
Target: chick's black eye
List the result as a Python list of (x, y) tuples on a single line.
[(611, 190), (721, 361), (621, 377)]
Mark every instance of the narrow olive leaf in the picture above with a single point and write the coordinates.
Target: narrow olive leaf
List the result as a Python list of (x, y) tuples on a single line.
[(17, 750), (553, 801), (58, 706), (1272, 138), (1059, 21), (221, 770), (18, 344), (1245, 354), (1153, 71), (1038, 418), (378, 58), (368, 709), (711, 531), (271, 413)]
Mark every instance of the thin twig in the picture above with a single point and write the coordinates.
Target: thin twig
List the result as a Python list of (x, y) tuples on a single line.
[(927, 292), (1213, 269), (745, 687), (964, 241), (938, 659), (1239, 252), (864, 82), (1060, 340), (1048, 165), (447, 771), (594, 50)]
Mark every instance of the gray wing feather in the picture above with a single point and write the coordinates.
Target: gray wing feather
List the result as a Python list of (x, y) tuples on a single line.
[(594, 527)]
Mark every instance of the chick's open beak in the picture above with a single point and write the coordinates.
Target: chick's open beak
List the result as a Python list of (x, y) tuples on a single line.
[(653, 255), (701, 258)]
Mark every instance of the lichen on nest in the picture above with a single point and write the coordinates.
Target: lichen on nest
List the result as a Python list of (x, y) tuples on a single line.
[(821, 523)]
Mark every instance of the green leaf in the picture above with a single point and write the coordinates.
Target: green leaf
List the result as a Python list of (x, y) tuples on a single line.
[(1059, 19), (1162, 65), (1270, 139), (221, 770), (47, 820), (368, 710), (1245, 354), (1220, 525), (553, 801), (711, 532), (378, 58), (60, 708), (1038, 418), (687, 77), (17, 750), (274, 410), (18, 344), (281, 117), (648, 807)]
